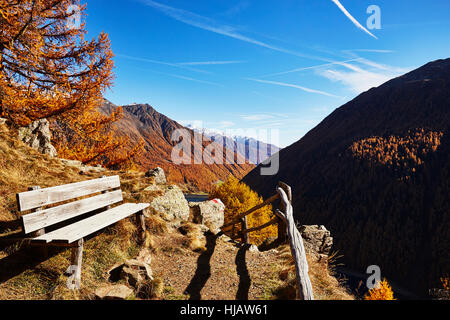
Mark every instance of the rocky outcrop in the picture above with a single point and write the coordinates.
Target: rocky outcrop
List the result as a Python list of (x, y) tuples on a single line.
[(158, 174), (209, 213), (172, 204), (317, 240), (37, 135)]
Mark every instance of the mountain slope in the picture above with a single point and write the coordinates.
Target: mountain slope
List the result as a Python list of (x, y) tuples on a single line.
[(141, 121), (376, 172)]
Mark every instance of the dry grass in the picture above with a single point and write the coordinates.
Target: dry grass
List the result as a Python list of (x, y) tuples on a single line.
[(195, 239), (325, 285)]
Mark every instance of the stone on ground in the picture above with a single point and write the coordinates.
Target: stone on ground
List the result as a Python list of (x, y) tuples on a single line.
[(209, 213), (317, 240), (172, 204), (114, 292), (158, 174)]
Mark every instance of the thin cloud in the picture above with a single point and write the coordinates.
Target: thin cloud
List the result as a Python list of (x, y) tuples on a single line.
[(352, 19), (370, 50), (256, 117), (187, 78), (283, 84), (358, 79), (176, 65), (211, 25), (309, 68), (204, 63)]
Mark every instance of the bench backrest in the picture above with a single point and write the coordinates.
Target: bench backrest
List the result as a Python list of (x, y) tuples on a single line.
[(37, 199)]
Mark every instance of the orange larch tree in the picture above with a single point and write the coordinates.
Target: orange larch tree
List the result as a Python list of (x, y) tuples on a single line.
[(49, 70)]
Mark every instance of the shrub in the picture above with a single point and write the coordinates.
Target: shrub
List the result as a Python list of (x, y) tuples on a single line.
[(382, 292), (238, 198)]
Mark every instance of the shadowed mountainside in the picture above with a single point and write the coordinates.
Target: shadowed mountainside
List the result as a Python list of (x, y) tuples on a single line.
[(376, 173)]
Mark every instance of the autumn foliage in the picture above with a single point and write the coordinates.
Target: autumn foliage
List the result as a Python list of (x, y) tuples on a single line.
[(382, 291), (402, 153), (49, 70), (238, 198)]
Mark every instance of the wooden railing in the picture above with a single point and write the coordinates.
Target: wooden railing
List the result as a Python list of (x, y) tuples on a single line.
[(284, 218)]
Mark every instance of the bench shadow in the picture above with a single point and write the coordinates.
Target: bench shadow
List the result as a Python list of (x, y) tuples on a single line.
[(24, 259), (203, 271), (242, 271)]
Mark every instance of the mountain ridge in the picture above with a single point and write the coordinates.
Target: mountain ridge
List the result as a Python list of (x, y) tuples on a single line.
[(142, 121), (365, 203)]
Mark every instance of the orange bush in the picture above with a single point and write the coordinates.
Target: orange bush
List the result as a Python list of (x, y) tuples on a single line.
[(445, 283), (382, 292), (238, 198)]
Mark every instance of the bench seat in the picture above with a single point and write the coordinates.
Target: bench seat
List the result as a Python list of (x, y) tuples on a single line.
[(85, 227)]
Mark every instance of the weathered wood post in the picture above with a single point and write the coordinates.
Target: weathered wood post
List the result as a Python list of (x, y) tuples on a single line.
[(304, 287), (282, 228), (244, 230), (140, 220), (74, 281)]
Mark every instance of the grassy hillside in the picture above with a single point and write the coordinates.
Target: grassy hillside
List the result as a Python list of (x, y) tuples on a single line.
[(180, 260)]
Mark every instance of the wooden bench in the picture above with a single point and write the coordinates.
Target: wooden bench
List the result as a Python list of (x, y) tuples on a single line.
[(67, 224)]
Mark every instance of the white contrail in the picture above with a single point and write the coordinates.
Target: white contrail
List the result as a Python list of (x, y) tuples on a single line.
[(207, 63), (186, 78), (309, 68), (208, 24), (176, 65), (283, 84), (356, 23)]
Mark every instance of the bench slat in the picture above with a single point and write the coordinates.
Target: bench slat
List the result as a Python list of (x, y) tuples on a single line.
[(43, 197), (41, 219), (92, 224)]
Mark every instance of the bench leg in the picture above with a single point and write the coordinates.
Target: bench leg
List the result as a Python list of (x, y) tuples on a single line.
[(74, 281), (140, 219)]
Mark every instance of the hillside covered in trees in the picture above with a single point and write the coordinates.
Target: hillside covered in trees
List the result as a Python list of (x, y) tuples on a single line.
[(377, 173)]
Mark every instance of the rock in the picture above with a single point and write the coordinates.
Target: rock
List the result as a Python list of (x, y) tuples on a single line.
[(253, 248), (134, 271), (37, 135), (317, 240), (209, 213), (114, 292), (172, 204), (2, 121), (158, 174), (439, 294)]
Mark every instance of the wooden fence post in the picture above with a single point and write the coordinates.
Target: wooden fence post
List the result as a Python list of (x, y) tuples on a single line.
[(244, 230), (304, 287), (282, 227)]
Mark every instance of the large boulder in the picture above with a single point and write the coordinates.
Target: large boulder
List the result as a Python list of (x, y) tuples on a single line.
[(158, 175), (172, 204), (317, 240), (37, 135), (209, 213)]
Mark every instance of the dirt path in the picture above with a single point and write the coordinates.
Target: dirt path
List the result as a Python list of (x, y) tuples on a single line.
[(222, 272)]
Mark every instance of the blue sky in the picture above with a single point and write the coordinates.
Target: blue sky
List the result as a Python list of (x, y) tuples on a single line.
[(245, 64)]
